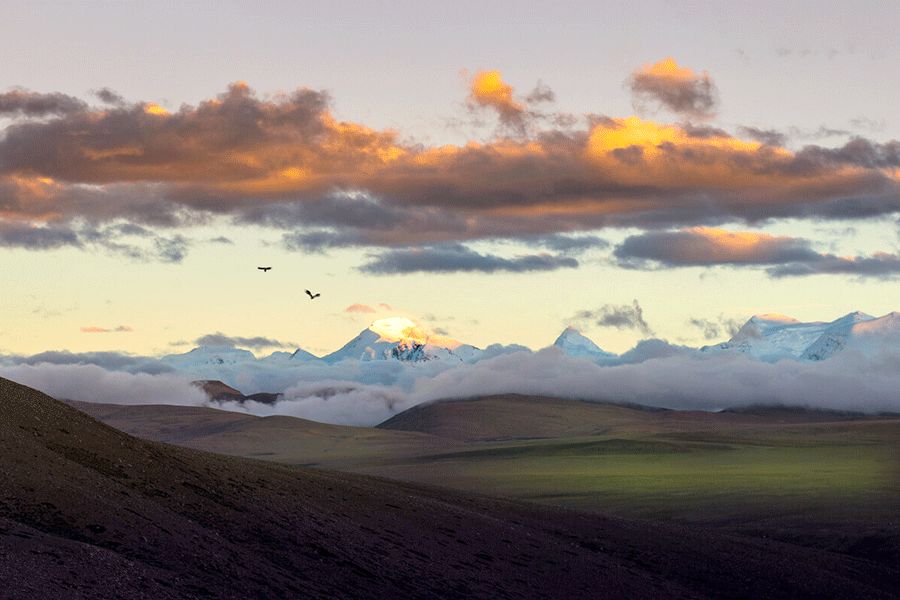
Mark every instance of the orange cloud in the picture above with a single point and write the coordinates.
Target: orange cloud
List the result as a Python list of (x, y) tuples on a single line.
[(487, 89), (676, 88), (119, 329), (359, 308), (287, 162)]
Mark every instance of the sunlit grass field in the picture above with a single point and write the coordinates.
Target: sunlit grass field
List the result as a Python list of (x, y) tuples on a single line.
[(692, 476)]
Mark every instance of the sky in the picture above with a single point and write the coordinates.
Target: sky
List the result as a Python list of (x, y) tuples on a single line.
[(497, 171)]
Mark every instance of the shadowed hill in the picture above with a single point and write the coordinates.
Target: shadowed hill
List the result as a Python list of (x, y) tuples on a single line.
[(220, 392), (514, 416), (88, 511), (278, 438)]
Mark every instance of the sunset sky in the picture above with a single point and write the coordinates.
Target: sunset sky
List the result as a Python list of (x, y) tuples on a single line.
[(492, 170)]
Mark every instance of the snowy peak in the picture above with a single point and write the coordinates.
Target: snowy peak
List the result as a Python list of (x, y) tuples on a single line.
[(210, 355), (575, 344), (302, 355), (398, 338), (887, 325), (857, 331), (772, 337)]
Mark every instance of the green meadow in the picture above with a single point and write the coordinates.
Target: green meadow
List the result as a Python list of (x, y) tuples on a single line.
[(707, 476)]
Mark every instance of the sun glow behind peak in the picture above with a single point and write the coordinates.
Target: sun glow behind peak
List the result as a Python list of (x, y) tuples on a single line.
[(403, 329), (395, 329)]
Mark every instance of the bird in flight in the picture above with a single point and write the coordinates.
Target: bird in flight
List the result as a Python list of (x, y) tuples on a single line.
[(311, 295), (264, 269)]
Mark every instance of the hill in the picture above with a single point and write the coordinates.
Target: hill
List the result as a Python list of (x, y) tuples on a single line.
[(88, 511), (278, 438), (514, 416)]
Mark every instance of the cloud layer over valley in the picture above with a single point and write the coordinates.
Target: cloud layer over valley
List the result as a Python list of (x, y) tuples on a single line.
[(367, 392)]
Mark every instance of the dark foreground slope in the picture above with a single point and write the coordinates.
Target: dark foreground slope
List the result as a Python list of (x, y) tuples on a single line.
[(87, 511)]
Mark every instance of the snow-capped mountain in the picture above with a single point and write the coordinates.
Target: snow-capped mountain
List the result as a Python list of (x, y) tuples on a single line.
[(573, 343), (278, 357), (856, 331), (301, 355), (401, 339), (766, 337), (209, 356), (772, 337)]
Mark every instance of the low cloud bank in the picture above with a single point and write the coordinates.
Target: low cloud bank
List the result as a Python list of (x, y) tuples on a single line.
[(366, 393), (92, 383)]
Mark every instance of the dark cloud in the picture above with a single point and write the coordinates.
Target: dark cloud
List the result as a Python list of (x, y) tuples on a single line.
[(858, 151), (172, 249), (221, 240), (37, 238), (678, 89), (785, 256), (109, 96), (880, 265), (220, 339), (568, 244), (770, 137), (540, 93), (619, 316), (822, 132), (317, 242), (119, 239), (34, 104), (715, 329), (702, 246), (115, 361), (456, 258), (868, 124)]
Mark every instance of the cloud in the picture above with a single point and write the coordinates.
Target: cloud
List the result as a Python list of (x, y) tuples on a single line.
[(844, 382), (109, 96), (221, 240), (568, 244), (95, 329), (619, 316), (115, 361), (678, 89), (220, 339), (706, 246), (36, 238), (115, 239), (285, 162), (714, 329), (172, 249), (91, 383), (338, 402), (770, 137), (32, 104), (487, 89), (710, 246), (654, 373), (359, 308), (879, 265), (456, 258)]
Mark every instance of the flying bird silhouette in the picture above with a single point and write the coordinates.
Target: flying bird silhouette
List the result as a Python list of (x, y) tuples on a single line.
[(264, 269), (311, 295)]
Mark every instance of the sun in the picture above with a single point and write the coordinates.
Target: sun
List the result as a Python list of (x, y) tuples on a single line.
[(395, 329)]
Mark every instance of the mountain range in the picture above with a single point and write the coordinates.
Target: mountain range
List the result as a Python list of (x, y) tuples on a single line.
[(765, 337)]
